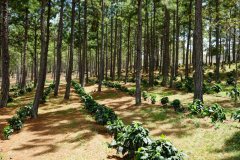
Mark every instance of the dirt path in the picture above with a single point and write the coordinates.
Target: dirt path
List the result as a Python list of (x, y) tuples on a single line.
[(63, 131)]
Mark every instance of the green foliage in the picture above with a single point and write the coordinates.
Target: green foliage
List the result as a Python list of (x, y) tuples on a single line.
[(132, 92), (236, 115), (230, 81), (46, 92), (216, 113), (153, 99), (115, 127), (216, 88), (145, 95), (188, 84), (164, 101), (234, 94), (196, 108), (104, 115), (130, 138), (176, 104), (206, 88), (159, 150), (10, 99), (7, 131), (24, 112), (15, 122), (179, 85)]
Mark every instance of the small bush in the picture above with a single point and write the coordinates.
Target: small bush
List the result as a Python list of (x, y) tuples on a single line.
[(24, 112), (216, 88), (230, 81), (176, 104), (130, 139), (216, 113), (15, 122), (197, 107), (145, 95), (179, 85), (10, 99), (115, 127), (153, 99), (188, 84), (159, 150), (132, 92), (164, 101), (104, 115), (7, 131), (236, 115)]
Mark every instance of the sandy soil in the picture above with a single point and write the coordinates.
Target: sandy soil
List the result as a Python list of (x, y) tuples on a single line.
[(63, 131)]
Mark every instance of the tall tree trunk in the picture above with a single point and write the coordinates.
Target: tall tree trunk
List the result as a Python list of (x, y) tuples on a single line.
[(128, 50), (101, 70), (177, 38), (24, 67), (166, 58), (5, 56), (198, 51), (153, 46), (84, 55), (59, 50), (35, 57), (217, 42), (173, 52), (188, 39), (106, 52), (139, 54), (43, 62), (115, 48), (70, 66), (120, 53)]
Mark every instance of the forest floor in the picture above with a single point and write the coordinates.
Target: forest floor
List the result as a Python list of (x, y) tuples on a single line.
[(65, 131)]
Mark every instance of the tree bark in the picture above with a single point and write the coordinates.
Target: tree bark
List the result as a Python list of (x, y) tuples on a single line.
[(43, 62), (5, 56), (198, 51), (139, 54), (59, 50), (70, 66)]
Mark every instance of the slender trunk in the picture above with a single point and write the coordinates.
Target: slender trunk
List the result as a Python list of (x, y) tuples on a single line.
[(198, 44), (101, 70), (43, 62), (5, 56), (152, 53), (128, 50), (59, 50), (217, 43), (173, 52), (139, 54), (177, 38), (84, 55)]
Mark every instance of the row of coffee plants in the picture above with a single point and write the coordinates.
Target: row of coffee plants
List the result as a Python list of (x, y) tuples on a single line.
[(133, 140), (119, 87), (16, 122), (215, 111)]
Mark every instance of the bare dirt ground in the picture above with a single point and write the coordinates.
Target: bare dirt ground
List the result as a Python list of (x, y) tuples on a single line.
[(63, 131)]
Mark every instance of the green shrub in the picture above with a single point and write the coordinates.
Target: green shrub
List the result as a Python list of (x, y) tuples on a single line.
[(188, 84), (159, 150), (216, 113), (234, 94), (21, 92), (15, 122), (10, 99), (216, 88), (206, 88), (7, 131), (132, 92), (115, 127), (130, 139), (179, 85), (197, 107), (164, 101), (176, 104), (153, 99), (24, 112), (230, 81), (104, 115), (145, 95), (236, 115), (29, 89)]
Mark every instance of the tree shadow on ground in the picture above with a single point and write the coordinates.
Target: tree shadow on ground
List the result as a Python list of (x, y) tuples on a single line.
[(232, 145)]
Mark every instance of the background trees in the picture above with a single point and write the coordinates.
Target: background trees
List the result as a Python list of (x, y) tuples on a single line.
[(112, 51)]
